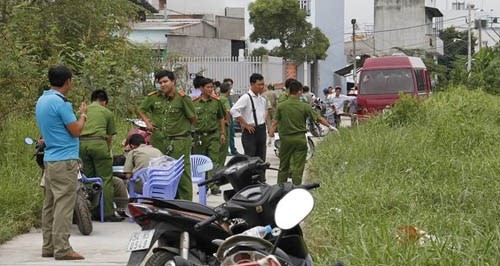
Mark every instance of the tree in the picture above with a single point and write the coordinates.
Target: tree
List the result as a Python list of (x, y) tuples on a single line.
[(454, 45), (283, 20), (87, 35), (260, 51)]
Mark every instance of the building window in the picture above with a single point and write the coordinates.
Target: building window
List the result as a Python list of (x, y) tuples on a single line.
[(306, 6)]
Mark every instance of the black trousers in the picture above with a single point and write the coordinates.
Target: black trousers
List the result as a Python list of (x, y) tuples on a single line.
[(255, 144)]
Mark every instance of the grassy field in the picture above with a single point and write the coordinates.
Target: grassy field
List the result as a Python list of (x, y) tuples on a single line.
[(432, 164), (21, 198)]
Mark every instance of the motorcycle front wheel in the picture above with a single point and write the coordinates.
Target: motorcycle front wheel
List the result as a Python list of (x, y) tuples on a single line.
[(310, 148), (82, 213), (160, 258)]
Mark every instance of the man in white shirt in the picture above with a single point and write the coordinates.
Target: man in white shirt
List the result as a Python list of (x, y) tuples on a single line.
[(250, 111), (337, 101)]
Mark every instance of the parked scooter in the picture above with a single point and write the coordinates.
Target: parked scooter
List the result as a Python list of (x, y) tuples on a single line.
[(87, 197), (310, 145), (140, 128), (172, 223)]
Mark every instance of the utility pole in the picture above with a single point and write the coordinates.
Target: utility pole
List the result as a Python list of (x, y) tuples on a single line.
[(469, 42), (354, 74)]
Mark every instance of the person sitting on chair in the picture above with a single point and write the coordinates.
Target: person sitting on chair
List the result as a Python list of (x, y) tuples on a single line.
[(138, 157)]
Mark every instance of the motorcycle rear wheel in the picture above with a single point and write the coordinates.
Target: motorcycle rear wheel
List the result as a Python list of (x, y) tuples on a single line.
[(83, 217), (160, 258)]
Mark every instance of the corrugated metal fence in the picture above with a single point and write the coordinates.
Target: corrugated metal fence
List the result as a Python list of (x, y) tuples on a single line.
[(238, 69)]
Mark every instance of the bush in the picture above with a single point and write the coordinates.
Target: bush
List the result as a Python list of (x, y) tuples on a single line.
[(431, 164), (21, 198)]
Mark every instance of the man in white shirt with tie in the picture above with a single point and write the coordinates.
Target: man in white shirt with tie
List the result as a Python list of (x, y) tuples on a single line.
[(250, 112)]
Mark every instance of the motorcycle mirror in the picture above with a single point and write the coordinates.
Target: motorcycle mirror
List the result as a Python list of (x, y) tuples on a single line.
[(28, 140), (293, 208)]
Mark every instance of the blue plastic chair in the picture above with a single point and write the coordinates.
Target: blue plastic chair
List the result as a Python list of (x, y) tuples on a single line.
[(163, 186), (158, 182), (98, 180), (200, 164)]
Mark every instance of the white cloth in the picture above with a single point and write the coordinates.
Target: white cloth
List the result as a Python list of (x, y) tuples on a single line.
[(243, 107)]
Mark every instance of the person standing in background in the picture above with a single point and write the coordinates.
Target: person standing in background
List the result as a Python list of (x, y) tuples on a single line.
[(60, 129), (250, 111), (209, 130), (95, 149), (232, 133), (291, 118), (272, 103), (172, 114), (196, 84)]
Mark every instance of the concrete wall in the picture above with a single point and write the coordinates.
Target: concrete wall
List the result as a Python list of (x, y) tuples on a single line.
[(230, 28), (328, 16), (215, 7), (397, 14), (198, 30), (198, 46), (154, 37)]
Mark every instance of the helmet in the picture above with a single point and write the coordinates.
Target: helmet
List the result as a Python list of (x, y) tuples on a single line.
[(325, 91)]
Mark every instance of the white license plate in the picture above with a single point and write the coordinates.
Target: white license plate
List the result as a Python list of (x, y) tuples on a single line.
[(140, 240)]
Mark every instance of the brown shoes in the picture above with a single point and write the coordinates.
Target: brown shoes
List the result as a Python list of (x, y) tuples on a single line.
[(71, 256), (47, 255)]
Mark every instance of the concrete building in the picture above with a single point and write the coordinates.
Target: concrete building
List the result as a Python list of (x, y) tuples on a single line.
[(221, 28), (177, 31), (407, 24)]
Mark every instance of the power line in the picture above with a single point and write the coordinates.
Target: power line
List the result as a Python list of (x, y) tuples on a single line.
[(406, 28)]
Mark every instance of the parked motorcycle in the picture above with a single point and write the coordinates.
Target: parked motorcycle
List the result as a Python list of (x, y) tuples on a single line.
[(87, 196), (256, 247), (140, 128), (186, 229), (310, 145)]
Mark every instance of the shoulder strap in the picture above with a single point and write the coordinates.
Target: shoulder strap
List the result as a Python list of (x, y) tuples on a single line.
[(62, 97), (253, 110)]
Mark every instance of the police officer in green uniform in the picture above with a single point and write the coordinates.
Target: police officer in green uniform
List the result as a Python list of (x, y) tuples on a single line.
[(290, 119), (225, 89), (172, 114), (95, 147), (209, 129)]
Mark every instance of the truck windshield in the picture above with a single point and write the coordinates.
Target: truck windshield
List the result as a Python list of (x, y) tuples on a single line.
[(387, 81)]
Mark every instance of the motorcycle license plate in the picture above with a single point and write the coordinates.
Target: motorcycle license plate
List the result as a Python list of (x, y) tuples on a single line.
[(140, 240)]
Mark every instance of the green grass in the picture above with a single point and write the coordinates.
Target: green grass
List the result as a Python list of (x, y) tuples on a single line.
[(21, 198), (432, 164)]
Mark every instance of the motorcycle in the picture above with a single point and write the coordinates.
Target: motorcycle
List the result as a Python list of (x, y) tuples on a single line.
[(314, 127), (87, 197), (140, 128), (310, 145), (254, 248), (186, 229)]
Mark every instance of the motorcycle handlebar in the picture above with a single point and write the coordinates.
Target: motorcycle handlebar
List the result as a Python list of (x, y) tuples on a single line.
[(198, 226), (209, 181), (309, 186)]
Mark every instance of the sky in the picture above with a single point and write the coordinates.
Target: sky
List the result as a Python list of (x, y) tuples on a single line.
[(362, 10)]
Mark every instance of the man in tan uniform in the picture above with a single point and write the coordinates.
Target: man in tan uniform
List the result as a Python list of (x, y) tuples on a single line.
[(139, 158)]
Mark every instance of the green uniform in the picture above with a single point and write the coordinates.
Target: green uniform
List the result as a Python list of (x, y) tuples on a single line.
[(283, 96), (291, 116), (207, 128), (173, 117), (224, 147), (94, 150)]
